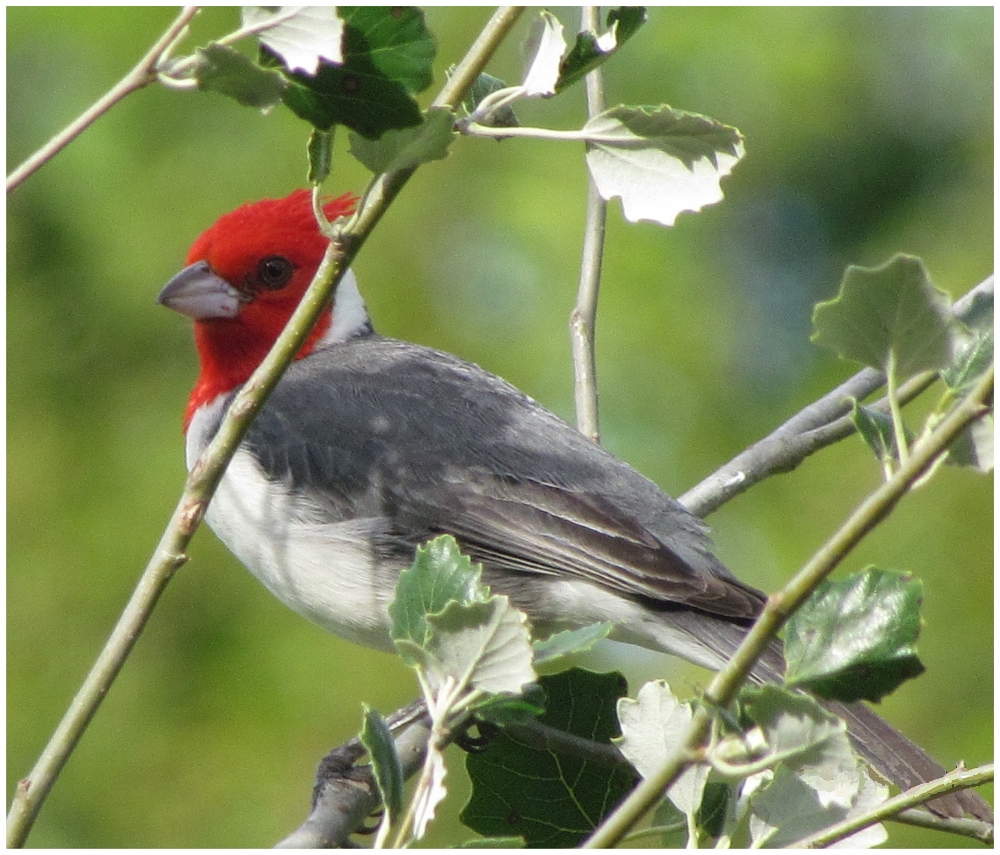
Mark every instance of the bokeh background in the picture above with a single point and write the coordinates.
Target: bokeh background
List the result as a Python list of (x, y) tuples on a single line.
[(868, 132)]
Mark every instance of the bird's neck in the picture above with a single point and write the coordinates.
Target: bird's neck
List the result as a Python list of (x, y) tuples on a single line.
[(230, 352)]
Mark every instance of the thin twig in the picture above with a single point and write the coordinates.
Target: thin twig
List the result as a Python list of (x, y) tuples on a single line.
[(963, 825), (727, 681), (142, 75), (583, 318)]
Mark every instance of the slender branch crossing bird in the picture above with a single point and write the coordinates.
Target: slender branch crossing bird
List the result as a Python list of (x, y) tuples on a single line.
[(370, 446)]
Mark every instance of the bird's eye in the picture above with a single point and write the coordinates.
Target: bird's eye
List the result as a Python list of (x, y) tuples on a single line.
[(274, 272)]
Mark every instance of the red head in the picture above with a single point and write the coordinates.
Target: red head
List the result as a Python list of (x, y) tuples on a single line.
[(245, 276)]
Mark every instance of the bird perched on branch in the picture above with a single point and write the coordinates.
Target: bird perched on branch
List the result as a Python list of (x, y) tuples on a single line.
[(370, 446)]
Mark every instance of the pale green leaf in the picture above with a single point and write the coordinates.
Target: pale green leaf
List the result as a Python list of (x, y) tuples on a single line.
[(653, 726), (660, 161), (408, 147), (892, 312)]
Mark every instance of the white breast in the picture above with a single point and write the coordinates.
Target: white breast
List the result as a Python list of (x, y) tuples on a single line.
[(325, 571)]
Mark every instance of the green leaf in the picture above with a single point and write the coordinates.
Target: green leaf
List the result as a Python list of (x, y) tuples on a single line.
[(653, 726), (818, 779), (505, 708), (378, 742), (396, 40), (487, 84), (550, 651), (549, 798), (320, 153), (889, 312), (590, 50), (715, 805), (388, 54), (974, 359), (974, 447), (409, 147), (440, 574), (221, 69), (875, 428), (797, 728), (660, 161), (856, 638), (484, 645), (303, 38)]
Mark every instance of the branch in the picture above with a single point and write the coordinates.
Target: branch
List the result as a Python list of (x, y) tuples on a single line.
[(346, 794), (820, 424), (963, 825), (583, 319), (207, 472), (142, 75), (726, 683), (959, 779)]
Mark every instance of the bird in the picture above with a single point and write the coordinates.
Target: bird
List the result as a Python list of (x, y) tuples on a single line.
[(370, 446)]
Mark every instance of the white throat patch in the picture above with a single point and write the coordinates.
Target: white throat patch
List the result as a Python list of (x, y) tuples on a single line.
[(350, 315)]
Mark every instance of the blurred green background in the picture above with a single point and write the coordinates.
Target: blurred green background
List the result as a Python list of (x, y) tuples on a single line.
[(868, 132)]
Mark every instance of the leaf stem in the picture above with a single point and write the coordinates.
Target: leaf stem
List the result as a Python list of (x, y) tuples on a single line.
[(891, 389), (582, 135)]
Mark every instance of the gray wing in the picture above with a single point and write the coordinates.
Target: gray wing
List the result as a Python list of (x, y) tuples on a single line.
[(437, 445)]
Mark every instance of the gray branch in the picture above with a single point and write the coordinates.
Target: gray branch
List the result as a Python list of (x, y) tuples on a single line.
[(820, 424)]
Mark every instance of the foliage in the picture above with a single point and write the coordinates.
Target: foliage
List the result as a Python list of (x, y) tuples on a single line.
[(68, 386)]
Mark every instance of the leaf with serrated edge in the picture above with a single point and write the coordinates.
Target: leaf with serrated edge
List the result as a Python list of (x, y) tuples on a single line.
[(388, 53), (974, 359), (483, 645), (661, 161), (546, 39), (892, 311), (302, 38), (855, 638), (813, 741), (439, 575), (568, 794), (787, 809), (653, 726)]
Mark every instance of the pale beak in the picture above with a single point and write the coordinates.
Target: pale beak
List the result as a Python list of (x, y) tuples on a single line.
[(200, 294)]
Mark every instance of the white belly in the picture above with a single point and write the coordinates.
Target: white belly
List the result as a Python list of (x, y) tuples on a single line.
[(324, 571)]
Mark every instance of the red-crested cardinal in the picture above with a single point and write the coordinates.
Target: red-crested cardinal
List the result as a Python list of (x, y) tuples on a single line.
[(369, 446)]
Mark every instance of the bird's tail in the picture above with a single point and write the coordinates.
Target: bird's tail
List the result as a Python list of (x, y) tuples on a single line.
[(889, 752)]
